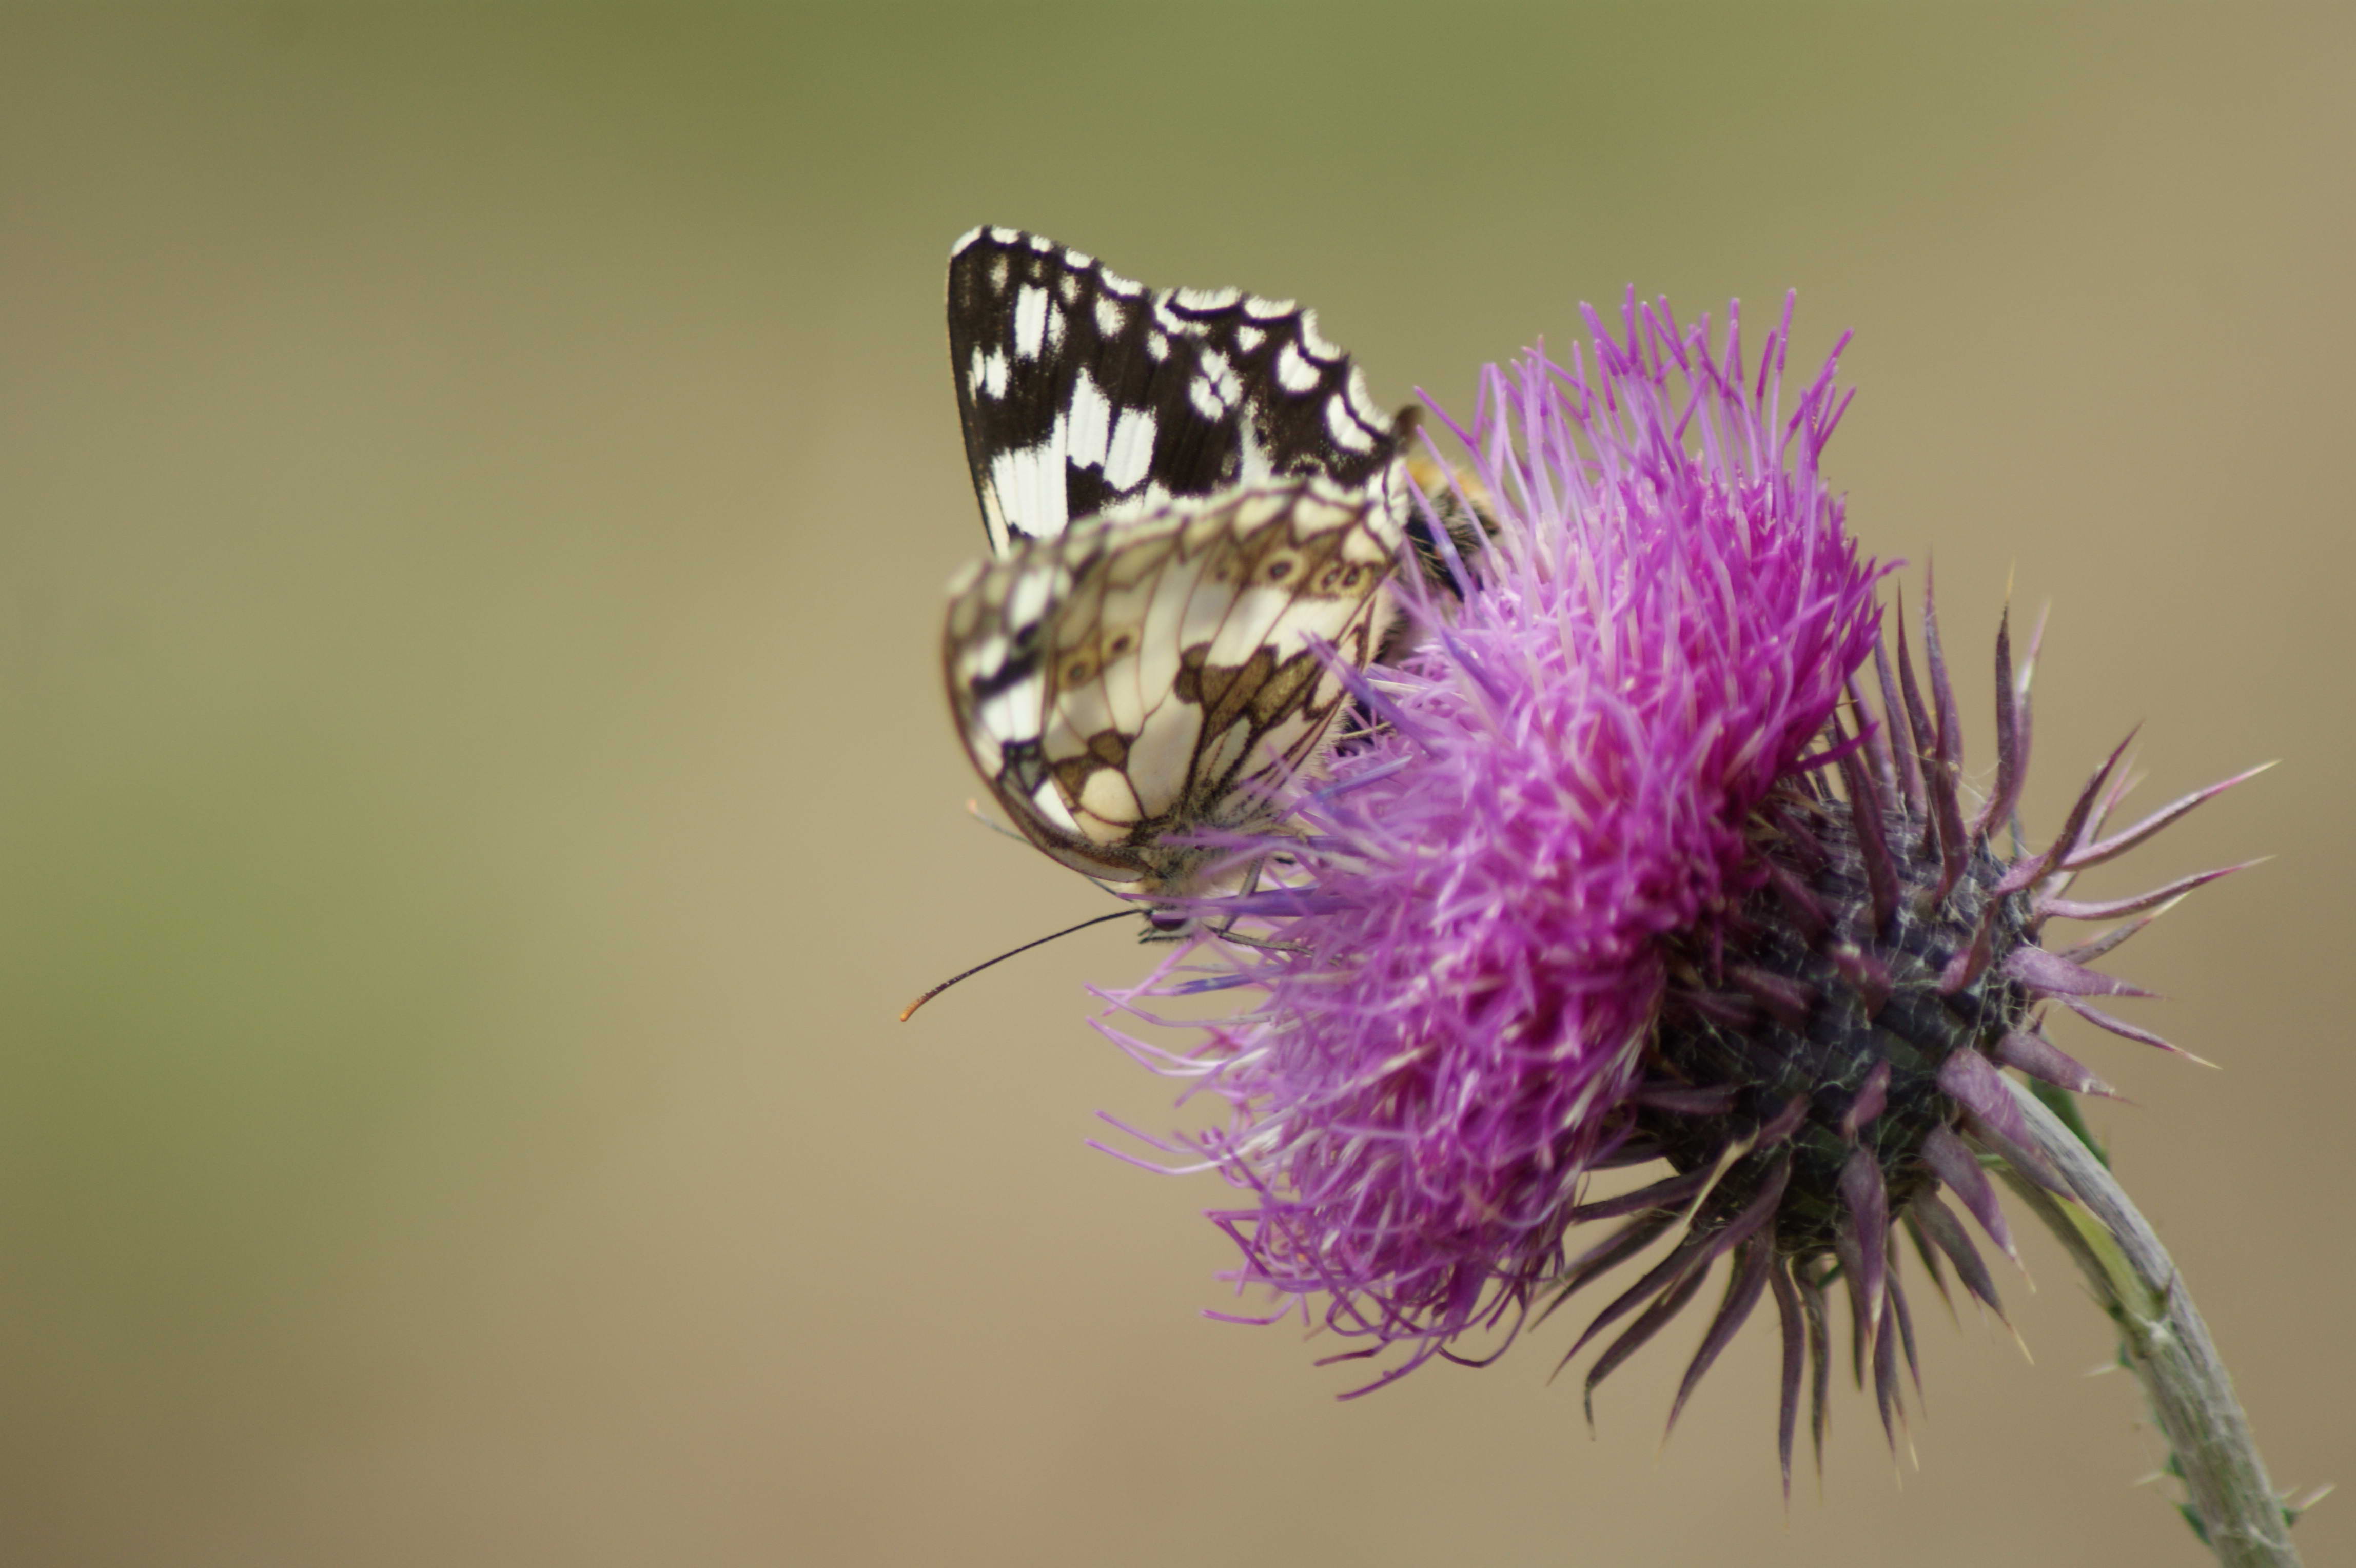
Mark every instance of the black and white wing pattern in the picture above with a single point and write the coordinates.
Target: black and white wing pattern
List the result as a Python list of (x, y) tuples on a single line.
[(1083, 392), (1134, 679)]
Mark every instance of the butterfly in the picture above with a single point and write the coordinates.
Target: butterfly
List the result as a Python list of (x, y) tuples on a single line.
[(1192, 506)]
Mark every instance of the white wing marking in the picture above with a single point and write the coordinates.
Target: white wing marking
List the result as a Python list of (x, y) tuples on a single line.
[(1230, 386), (1345, 431), (1108, 799), (1030, 594), (1208, 299), (1295, 373), (1086, 425), (1160, 755), (1130, 452), (1252, 460), (1037, 485), (1249, 622), (1083, 707), (1208, 601), (1315, 342), (1081, 710), (1125, 609), (984, 658), (1012, 715), (1030, 321), (1049, 800), (1159, 643)]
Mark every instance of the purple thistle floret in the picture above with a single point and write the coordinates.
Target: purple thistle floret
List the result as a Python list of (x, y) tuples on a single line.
[(1472, 939)]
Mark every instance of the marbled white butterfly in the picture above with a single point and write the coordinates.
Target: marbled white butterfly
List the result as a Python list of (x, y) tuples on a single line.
[(1187, 493)]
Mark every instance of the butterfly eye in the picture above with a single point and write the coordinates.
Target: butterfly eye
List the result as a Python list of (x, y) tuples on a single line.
[(1079, 672), (1118, 646), (1277, 570)]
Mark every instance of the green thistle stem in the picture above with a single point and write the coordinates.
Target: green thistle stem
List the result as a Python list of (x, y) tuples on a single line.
[(2233, 1508)]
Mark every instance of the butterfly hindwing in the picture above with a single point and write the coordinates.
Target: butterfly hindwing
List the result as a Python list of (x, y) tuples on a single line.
[(1083, 392), (1137, 679)]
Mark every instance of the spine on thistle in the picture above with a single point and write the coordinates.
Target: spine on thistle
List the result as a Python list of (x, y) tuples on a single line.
[(1826, 1060)]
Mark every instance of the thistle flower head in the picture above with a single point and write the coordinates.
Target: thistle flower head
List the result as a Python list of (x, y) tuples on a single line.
[(1611, 879), (1560, 779)]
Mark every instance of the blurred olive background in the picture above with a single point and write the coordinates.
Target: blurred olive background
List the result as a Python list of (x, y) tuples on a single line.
[(475, 485)]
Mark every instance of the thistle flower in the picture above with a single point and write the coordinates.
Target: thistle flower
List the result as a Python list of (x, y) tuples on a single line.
[(1614, 879)]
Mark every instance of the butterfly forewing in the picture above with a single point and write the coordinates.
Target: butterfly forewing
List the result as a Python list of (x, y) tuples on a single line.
[(1140, 678), (1082, 392)]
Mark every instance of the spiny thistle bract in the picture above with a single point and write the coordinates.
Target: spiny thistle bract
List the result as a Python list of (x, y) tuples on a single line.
[(1611, 877)]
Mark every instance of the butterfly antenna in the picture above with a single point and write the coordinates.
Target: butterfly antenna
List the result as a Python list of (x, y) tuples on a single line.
[(973, 810), (910, 1010)]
